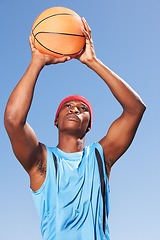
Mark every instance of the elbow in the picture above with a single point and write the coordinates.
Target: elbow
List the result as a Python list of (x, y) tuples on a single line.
[(137, 109), (144, 107), (11, 120), (140, 108)]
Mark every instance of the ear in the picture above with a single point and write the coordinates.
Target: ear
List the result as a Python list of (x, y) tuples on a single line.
[(56, 122), (88, 129)]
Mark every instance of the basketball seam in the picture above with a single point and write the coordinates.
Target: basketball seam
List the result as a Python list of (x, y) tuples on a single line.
[(70, 34), (57, 14), (54, 51)]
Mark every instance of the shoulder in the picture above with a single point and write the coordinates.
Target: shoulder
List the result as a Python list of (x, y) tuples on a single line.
[(99, 147), (96, 150), (91, 148)]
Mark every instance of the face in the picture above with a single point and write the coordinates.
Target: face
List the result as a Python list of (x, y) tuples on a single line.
[(74, 117)]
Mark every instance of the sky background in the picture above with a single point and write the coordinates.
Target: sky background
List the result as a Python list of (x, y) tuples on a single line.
[(126, 36)]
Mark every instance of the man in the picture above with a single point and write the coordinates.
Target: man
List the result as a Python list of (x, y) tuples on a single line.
[(69, 182)]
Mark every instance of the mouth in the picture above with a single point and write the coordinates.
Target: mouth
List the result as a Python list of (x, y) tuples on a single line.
[(72, 117)]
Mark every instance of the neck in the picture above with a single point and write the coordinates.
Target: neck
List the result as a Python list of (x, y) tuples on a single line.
[(70, 144)]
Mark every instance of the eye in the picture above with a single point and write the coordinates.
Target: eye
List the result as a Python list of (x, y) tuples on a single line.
[(83, 108), (68, 105)]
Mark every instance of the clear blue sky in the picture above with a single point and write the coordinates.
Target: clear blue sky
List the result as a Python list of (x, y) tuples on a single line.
[(126, 37)]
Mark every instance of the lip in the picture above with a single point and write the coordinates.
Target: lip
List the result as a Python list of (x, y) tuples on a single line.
[(72, 117)]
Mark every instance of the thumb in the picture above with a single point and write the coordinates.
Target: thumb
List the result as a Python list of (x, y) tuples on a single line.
[(63, 59)]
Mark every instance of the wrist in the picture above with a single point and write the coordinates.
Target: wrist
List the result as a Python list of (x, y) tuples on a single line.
[(92, 62), (38, 62)]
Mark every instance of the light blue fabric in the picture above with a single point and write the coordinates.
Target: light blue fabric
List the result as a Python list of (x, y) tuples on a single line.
[(71, 206)]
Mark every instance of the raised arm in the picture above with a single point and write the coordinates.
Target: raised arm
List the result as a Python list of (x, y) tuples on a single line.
[(24, 142), (122, 130)]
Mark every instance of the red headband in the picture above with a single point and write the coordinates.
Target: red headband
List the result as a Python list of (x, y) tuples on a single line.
[(79, 98)]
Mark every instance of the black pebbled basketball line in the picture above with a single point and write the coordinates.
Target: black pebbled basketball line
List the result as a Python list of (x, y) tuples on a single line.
[(54, 15), (57, 14), (70, 34), (54, 51)]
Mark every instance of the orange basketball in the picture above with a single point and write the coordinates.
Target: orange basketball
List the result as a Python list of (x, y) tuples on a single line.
[(57, 31)]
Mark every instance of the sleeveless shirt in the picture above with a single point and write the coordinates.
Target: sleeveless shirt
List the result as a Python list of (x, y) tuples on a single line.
[(69, 202)]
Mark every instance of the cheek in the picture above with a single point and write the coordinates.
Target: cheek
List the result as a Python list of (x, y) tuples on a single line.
[(86, 119), (60, 118)]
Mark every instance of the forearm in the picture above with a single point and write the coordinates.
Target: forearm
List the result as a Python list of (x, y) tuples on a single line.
[(21, 98), (125, 95)]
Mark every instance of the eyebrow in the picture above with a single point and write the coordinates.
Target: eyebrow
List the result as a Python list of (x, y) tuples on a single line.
[(82, 103)]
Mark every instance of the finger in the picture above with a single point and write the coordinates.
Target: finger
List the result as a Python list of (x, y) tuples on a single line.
[(86, 26), (63, 59), (79, 55), (31, 43), (86, 34)]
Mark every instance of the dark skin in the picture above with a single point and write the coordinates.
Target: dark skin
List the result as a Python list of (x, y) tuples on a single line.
[(32, 154), (73, 120)]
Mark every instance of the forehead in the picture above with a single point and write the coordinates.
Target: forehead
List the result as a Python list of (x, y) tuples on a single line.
[(77, 103)]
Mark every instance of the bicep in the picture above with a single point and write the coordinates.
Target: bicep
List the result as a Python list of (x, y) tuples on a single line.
[(119, 136), (25, 144)]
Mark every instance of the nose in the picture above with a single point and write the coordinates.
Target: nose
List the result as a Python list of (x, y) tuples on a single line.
[(74, 109)]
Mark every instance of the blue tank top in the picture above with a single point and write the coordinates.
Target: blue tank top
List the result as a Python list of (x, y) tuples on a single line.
[(70, 204)]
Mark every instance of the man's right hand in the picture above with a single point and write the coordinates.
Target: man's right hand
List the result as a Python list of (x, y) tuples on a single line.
[(44, 58)]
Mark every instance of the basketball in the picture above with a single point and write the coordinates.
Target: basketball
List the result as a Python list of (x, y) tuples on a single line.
[(57, 31)]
